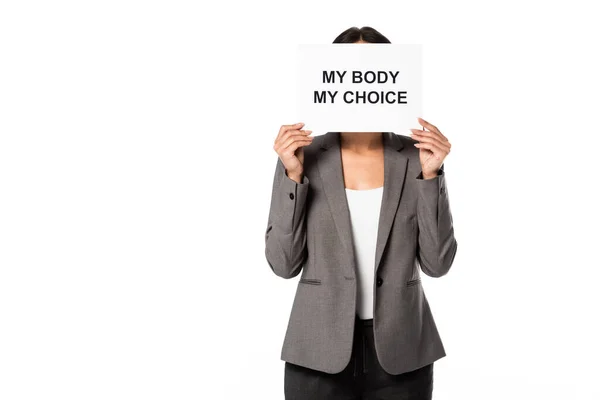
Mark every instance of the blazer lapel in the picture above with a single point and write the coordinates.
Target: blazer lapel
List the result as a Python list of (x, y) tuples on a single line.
[(330, 168)]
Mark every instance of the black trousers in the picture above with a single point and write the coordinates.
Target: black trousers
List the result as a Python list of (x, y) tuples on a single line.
[(363, 377)]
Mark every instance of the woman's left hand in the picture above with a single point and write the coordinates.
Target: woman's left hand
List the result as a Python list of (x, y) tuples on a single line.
[(433, 148)]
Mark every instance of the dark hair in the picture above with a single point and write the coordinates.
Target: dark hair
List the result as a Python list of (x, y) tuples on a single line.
[(366, 33)]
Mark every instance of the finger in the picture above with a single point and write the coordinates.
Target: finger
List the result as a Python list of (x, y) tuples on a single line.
[(287, 141), (435, 143), (302, 132), (285, 128), (438, 153), (293, 146), (428, 125), (426, 136), (421, 135), (431, 127), (295, 132), (291, 133)]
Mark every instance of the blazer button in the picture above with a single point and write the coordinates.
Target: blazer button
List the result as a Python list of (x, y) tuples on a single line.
[(292, 196), (379, 281)]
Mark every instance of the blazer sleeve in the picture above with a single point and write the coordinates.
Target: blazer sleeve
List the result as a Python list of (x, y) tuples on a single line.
[(436, 242), (285, 237)]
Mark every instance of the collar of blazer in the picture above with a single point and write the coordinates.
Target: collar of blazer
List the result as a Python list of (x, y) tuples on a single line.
[(329, 163)]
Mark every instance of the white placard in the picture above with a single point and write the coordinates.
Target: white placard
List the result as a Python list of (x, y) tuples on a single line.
[(347, 87)]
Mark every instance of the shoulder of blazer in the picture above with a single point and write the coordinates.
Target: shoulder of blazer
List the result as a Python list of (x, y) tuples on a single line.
[(408, 145), (316, 145), (399, 142), (407, 142)]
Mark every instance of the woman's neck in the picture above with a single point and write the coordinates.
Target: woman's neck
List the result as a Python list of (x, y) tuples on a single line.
[(360, 142)]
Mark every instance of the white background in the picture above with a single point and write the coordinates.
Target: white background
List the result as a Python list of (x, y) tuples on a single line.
[(136, 164)]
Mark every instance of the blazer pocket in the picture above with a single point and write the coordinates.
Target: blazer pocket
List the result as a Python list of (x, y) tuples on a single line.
[(310, 281), (413, 282)]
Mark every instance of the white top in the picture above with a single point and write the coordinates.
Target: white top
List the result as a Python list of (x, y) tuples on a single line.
[(364, 207)]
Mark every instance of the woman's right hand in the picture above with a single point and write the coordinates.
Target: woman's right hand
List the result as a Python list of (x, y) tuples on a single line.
[(289, 146)]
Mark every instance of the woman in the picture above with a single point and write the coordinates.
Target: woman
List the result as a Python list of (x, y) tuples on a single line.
[(359, 214)]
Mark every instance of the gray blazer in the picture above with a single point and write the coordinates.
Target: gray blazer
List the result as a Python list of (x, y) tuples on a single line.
[(309, 232)]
